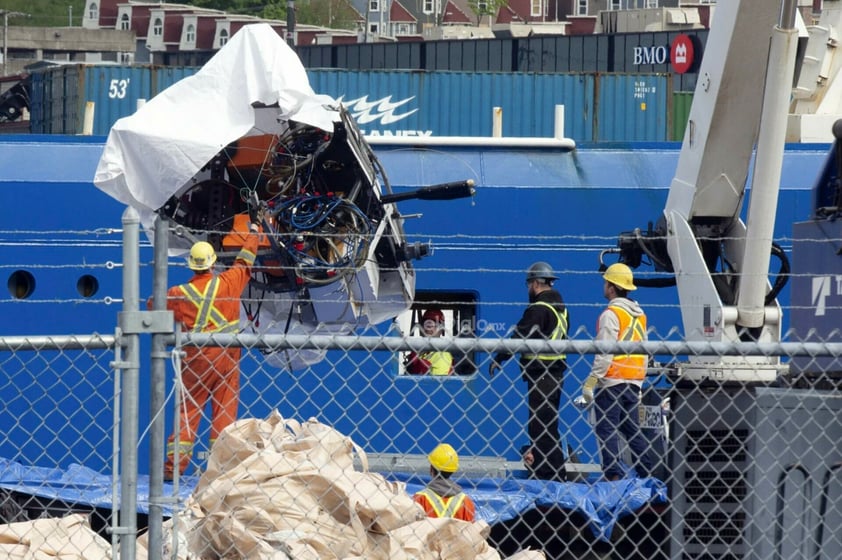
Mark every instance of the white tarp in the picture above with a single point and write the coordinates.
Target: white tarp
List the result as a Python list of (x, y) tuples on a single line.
[(151, 154)]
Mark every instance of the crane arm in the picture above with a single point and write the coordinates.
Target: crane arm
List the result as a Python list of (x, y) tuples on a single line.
[(738, 119)]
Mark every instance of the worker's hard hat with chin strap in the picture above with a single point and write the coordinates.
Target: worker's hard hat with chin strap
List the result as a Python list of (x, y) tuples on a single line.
[(201, 257), (444, 458), (540, 271), (621, 276)]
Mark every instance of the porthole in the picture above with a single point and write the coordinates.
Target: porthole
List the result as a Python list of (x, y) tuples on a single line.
[(21, 284), (87, 286)]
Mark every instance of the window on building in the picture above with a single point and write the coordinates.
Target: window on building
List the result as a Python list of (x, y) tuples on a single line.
[(158, 27), (403, 29), (581, 7), (93, 11), (652, 3), (374, 6), (459, 309), (373, 28), (125, 23), (428, 6), (536, 7), (482, 7), (614, 4), (223, 37), (190, 34)]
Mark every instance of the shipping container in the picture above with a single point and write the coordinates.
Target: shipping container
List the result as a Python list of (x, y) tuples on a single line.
[(681, 102), (460, 104), (579, 53), (165, 76), (632, 108), (394, 103), (623, 53), (637, 53), (60, 95)]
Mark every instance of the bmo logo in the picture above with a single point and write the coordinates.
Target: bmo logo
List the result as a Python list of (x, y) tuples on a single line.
[(650, 55), (679, 54)]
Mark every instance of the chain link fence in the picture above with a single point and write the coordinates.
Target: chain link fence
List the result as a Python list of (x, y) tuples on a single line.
[(746, 470), (326, 456)]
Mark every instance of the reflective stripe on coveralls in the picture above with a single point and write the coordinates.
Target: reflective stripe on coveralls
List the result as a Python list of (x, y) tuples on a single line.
[(558, 334), (444, 507), (632, 329), (185, 448), (208, 317)]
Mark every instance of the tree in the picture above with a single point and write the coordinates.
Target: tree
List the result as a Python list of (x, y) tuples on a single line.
[(333, 14), (482, 8)]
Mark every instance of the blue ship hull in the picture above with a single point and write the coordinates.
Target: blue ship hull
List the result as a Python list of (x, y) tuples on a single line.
[(531, 204)]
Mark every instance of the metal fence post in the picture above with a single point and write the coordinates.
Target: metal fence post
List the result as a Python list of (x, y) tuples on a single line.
[(129, 397), (158, 394)]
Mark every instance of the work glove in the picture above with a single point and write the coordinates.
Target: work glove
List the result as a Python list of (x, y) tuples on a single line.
[(587, 392), (257, 209), (494, 367), (257, 216), (254, 207)]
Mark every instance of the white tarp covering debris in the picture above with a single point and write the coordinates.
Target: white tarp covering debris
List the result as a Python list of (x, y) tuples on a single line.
[(151, 154), (246, 127)]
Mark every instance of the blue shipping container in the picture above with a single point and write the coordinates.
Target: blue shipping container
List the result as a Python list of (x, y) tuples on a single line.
[(165, 76), (633, 108), (398, 103), (60, 95), (597, 107)]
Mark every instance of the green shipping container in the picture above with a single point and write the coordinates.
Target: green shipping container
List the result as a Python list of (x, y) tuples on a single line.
[(681, 102)]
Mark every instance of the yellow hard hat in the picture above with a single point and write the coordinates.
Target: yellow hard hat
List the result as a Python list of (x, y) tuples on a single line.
[(444, 458), (620, 275), (201, 257)]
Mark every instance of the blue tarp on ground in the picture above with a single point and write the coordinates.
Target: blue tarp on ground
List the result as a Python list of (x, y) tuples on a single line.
[(601, 503), (497, 499)]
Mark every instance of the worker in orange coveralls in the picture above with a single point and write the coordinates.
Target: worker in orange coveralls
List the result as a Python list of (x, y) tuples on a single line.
[(208, 303), (442, 497)]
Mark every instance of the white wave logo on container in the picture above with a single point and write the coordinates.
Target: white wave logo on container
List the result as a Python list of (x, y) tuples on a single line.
[(381, 110)]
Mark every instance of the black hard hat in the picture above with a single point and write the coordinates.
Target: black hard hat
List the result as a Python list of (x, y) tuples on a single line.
[(540, 270)]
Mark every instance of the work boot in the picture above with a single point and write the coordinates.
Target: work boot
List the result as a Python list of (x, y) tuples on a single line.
[(169, 468)]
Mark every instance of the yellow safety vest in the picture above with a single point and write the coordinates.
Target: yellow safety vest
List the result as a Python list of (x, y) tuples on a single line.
[(444, 507), (558, 334), (208, 317), (632, 329), (441, 363)]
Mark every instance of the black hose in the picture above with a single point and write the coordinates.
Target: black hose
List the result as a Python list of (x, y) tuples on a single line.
[(654, 282), (782, 277)]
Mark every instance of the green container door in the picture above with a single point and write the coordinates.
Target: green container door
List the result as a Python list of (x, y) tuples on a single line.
[(681, 102)]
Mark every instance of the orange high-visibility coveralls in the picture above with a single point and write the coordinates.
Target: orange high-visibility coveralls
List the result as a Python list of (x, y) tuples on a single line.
[(209, 303)]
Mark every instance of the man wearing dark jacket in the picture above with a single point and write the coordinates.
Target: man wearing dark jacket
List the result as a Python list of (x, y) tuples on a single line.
[(545, 318)]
